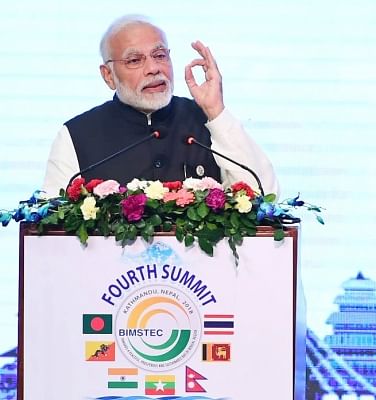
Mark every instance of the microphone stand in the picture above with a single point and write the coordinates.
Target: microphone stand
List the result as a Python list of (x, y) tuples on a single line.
[(154, 134), (192, 140)]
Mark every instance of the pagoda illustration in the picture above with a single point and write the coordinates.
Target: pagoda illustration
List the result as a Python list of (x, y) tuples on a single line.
[(343, 365)]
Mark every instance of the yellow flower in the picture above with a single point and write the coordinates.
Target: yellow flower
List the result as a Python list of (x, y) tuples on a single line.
[(88, 209), (155, 190), (243, 203)]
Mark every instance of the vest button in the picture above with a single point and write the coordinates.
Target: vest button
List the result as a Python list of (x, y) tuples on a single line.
[(158, 163)]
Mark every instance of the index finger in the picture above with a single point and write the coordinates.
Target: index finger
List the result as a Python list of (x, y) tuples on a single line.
[(205, 53)]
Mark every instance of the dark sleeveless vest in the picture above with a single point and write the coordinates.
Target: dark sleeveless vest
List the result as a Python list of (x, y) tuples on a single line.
[(106, 129)]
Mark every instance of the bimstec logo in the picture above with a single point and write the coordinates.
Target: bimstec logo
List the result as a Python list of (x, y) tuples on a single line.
[(158, 327)]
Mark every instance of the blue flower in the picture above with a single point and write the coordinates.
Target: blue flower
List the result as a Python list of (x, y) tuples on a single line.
[(35, 197), (31, 214), (5, 217), (295, 202), (19, 214), (268, 210), (43, 210)]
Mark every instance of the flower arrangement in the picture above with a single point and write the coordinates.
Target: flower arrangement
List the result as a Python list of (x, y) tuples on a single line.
[(198, 210)]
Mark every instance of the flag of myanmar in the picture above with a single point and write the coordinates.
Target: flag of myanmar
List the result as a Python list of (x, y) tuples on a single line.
[(160, 384), (96, 323)]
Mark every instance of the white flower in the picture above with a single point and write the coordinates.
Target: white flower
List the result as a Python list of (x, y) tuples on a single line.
[(192, 183), (243, 203), (88, 209), (155, 190), (136, 184)]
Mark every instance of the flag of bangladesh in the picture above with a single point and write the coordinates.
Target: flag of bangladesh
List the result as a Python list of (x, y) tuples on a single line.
[(162, 385), (96, 323)]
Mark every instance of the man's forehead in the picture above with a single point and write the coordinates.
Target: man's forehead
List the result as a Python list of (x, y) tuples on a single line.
[(138, 38)]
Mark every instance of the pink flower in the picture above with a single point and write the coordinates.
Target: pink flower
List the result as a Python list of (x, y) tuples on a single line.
[(209, 183), (133, 207), (216, 199), (170, 196), (106, 188), (182, 197)]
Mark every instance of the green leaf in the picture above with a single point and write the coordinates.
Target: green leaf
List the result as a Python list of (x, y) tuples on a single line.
[(180, 222), (147, 232), (140, 224), (234, 219), (82, 233), (203, 210), (192, 214), (219, 218), (319, 218), (50, 219), (179, 233), (211, 226), (313, 208), (60, 213), (247, 222), (200, 195), (270, 198), (205, 246), (279, 235), (119, 229), (155, 220), (152, 203), (251, 231), (238, 239), (167, 226), (132, 232), (189, 240)]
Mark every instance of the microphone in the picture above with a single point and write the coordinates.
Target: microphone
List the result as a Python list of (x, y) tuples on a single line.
[(192, 140), (155, 134)]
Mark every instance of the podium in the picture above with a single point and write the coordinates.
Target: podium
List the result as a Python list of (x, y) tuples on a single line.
[(160, 321)]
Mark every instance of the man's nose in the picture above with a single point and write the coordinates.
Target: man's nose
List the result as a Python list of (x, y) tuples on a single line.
[(151, 66)]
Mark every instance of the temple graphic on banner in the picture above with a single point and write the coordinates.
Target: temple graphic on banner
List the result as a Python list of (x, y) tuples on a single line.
[(344, 364)]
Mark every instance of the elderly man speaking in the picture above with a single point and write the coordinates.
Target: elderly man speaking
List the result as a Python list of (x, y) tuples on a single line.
[(137, 66)]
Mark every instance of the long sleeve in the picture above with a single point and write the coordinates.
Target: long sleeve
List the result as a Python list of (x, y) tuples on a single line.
[(62, 163), (230, 138)]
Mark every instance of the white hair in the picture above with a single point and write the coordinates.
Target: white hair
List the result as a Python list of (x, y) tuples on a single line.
[(118, 25)]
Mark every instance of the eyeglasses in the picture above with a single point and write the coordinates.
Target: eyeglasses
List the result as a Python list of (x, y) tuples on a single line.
[(137, 60)]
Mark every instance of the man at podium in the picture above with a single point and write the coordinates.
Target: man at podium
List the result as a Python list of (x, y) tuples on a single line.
[(137, 66)]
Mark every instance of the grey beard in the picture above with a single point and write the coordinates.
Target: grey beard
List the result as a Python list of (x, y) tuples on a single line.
[(145, 103)]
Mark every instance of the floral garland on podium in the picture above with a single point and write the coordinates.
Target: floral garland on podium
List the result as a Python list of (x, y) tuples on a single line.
[(198, 210)]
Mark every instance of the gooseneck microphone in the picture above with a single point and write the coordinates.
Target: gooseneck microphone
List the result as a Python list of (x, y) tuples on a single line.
[(192, 140), (154, 134)]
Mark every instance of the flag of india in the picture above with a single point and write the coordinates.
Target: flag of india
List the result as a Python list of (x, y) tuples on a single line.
[(122, 378)]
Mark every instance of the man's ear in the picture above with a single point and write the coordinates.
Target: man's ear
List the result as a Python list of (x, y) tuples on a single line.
[(107, 76)]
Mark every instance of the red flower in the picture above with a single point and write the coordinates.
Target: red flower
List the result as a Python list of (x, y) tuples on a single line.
[(238, 186), (91, 185), (74, 190), (175, 185)]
